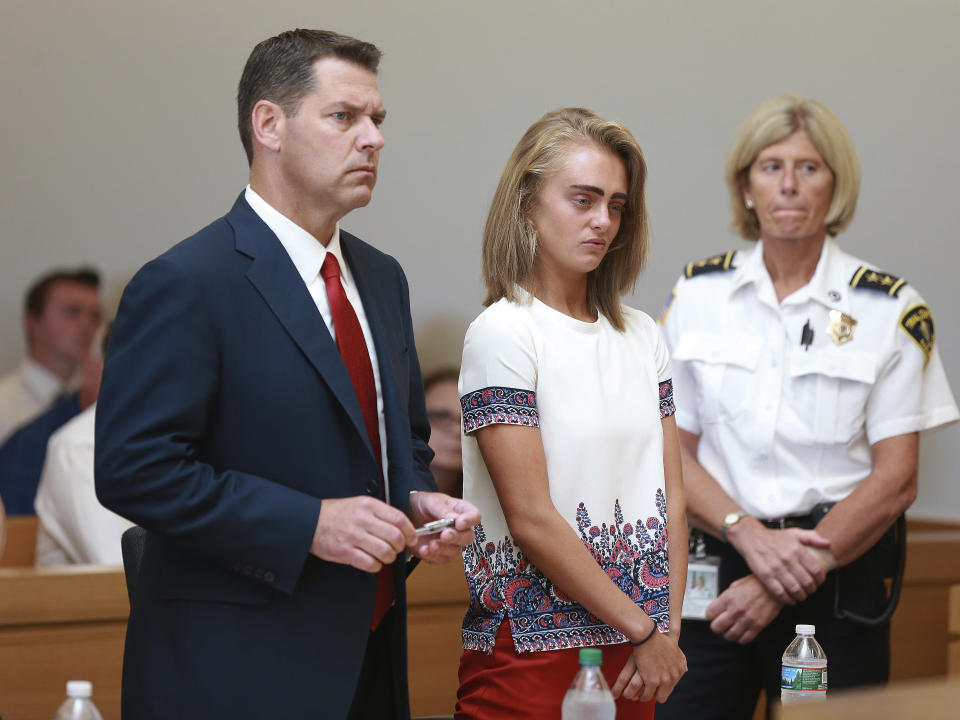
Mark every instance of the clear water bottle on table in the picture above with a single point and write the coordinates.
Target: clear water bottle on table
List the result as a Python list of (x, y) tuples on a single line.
[(78, 705), (589, 696), (803, 674)]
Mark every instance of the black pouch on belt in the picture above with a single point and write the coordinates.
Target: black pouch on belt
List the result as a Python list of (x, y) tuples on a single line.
[(885, 560)]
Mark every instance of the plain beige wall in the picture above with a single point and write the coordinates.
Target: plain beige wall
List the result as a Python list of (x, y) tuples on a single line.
[(118, 133)]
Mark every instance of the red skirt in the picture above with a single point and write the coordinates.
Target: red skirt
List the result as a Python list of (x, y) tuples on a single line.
[(531, 685)]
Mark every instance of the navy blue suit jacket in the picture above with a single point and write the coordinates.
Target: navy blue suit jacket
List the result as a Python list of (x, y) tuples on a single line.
[(23, 454), (224, 416)]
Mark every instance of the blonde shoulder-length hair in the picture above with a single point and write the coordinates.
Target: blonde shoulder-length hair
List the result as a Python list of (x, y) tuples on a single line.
[(510, 238), (770, 123)]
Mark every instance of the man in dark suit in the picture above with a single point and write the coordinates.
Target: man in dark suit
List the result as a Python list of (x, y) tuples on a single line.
[(262, 416)]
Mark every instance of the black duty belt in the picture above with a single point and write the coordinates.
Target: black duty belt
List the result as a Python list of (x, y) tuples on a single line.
[(806, 522), (792, 521)]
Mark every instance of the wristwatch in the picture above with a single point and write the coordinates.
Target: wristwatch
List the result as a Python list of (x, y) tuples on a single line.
[(729, 520)]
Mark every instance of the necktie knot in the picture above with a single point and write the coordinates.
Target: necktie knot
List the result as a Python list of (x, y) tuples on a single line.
[(330, 268)]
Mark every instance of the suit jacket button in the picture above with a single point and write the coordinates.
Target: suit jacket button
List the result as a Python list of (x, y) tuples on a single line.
[(269, 576), (258, 573), (247, 569)]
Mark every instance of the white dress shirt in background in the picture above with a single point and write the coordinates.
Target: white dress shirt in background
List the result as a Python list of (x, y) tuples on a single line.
[(24, 394), (73, 526)]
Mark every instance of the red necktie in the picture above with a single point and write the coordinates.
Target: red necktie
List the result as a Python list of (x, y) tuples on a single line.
[(353, 350)]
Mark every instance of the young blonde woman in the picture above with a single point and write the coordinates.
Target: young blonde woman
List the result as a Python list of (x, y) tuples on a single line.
[(570, 446)]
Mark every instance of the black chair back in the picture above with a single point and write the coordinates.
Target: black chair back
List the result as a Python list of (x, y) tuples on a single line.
[(131, 546)]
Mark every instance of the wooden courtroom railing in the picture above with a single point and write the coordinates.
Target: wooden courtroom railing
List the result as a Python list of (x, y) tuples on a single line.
[(918, 632), (437, 599), (63, 624), (21, 545), (58, 625), (953, 625), (911, 700)]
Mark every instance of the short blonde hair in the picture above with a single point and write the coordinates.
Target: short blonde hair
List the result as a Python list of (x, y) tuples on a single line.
[(770, 123), (510, 239)]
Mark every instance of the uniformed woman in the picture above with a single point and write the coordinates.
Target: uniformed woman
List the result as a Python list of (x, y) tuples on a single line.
[(803, 376)]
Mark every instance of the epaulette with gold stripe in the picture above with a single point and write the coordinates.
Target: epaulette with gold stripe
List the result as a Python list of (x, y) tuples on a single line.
[(717, 263), (869, 279)]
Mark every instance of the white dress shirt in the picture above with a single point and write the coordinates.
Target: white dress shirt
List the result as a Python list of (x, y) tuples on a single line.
[(24, 394), (73, 526), (785, 425), (307, 254)]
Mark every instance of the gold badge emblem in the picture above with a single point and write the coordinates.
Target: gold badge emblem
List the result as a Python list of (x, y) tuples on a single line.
[(841, 327)]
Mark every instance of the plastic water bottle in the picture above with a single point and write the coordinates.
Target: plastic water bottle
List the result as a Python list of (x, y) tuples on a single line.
[(589, 696), (803, 674), (78, 706)]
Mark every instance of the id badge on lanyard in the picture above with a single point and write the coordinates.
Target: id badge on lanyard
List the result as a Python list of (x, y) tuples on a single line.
[(703, 579)]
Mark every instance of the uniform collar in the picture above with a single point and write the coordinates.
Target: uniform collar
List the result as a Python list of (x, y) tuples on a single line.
[(828, 286), (752, 270)]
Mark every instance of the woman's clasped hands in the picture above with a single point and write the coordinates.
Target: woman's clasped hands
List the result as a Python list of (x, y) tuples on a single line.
[(653, 670)]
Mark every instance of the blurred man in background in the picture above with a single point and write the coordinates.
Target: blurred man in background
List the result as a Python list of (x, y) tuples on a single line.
[(61, 318)]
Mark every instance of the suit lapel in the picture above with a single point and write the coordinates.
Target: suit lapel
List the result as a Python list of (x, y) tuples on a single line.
[(275, 277), (373, 307)]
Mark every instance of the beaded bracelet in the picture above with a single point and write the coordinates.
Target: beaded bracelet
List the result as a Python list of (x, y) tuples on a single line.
[(649, 635)]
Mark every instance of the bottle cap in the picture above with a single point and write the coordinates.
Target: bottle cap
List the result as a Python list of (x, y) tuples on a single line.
[(79, 688), (806, 629), (591, 656)]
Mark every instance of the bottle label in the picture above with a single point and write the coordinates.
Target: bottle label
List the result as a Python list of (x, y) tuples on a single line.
[(803, 678)]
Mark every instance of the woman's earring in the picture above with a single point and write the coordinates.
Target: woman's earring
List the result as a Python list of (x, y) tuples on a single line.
[(749, 204)]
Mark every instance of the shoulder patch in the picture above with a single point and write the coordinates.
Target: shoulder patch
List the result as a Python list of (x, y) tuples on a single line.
[(717, 263), (869, 279), (917, 322)]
